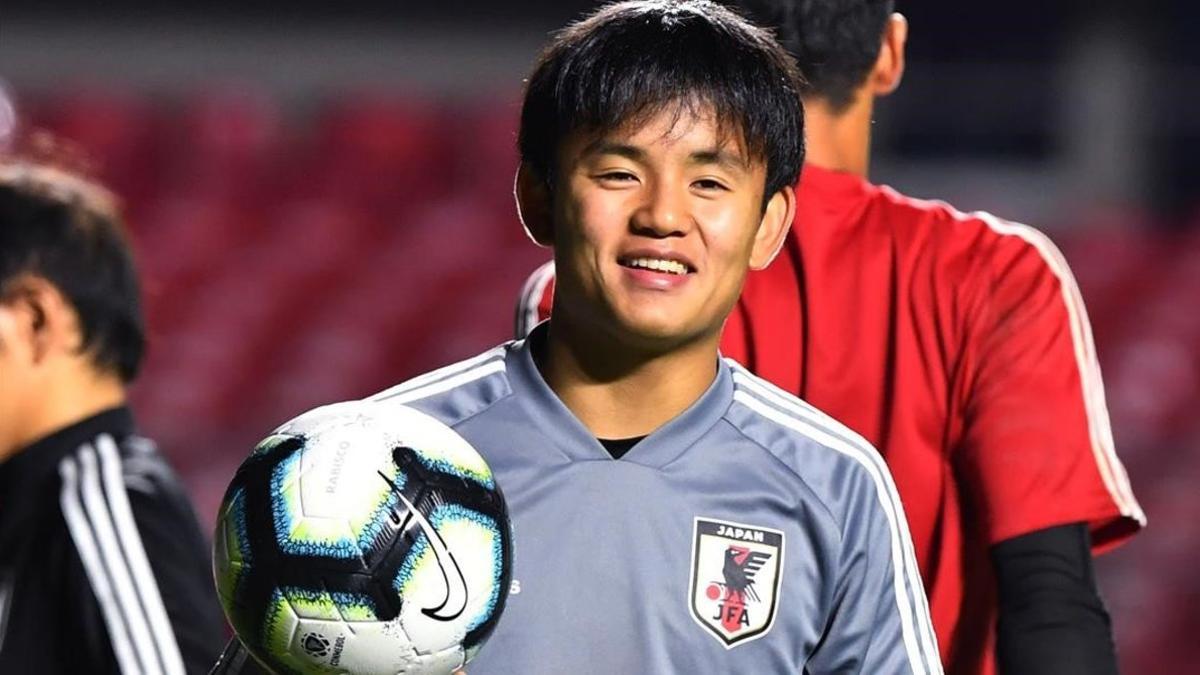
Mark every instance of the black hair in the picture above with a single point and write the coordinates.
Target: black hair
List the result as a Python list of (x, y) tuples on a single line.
[(67, 230), (835, 42), (631, 60)]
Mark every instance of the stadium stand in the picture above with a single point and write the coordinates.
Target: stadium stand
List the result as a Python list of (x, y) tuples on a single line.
[(301, 258)]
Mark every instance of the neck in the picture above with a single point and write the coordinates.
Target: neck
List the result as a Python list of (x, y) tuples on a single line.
[(840, 141), (619, 392), (61, 404)]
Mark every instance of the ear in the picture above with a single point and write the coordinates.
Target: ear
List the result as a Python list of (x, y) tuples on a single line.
[(889, 66), (36, 316), (773, 229), (534, 207)]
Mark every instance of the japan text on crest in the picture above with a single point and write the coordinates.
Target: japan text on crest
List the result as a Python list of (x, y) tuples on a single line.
[(736, 573)]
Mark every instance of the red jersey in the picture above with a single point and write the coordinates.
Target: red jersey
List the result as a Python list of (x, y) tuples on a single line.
[(958, 345)]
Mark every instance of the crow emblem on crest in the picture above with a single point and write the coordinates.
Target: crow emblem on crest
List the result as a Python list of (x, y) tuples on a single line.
[(741, 564)]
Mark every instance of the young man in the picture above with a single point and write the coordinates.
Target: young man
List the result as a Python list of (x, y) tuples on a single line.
[(671, 512), (958, 345), (103, 568)]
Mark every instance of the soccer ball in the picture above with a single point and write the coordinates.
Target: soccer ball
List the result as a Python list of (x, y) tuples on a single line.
[(363, 537)]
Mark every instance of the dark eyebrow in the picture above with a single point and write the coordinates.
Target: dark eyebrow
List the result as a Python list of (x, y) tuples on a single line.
[(722, 158), (603, 147)]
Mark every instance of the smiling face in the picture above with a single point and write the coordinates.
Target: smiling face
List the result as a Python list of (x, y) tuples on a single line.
[(654, 227)]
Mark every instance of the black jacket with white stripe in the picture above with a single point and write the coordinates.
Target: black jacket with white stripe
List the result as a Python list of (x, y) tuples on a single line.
[(103, 568)]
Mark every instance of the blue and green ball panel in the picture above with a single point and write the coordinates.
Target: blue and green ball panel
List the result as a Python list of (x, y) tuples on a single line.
[(471, 467), (235, 543)]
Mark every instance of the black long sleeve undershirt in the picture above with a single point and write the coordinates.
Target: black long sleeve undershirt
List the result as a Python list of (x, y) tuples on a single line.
[(1052, 619)]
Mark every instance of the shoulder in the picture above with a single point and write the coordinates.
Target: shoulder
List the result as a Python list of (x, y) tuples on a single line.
[(107, 462), (145, 471), (1016, 251), (926, 222), (456, 392), (974, 248), (836, 463), (136, 539), (126, 482)]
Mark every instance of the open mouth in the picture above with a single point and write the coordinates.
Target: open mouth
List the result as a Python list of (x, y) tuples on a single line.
[(656, 265)]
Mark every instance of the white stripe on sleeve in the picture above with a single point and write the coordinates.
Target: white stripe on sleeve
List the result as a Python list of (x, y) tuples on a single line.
[(910, 593), (135, 554), (1112, 472), (769, 392), (437, 375), (446, 384), (96, 507), (85, 544)]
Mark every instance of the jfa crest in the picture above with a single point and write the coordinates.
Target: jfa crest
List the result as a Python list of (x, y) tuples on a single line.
[(736, 573)]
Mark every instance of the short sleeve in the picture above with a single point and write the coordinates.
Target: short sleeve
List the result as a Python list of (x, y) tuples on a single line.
[(1037, 448), (879, 620)]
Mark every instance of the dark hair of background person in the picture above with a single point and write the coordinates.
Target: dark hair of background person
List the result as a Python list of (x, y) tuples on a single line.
[(632, 60), (62, 227), (835, 42)]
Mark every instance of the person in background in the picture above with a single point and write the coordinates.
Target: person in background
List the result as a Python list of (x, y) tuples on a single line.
[(103, 567)]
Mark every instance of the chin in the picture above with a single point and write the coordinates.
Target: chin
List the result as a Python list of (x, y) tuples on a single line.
[(657, 331)]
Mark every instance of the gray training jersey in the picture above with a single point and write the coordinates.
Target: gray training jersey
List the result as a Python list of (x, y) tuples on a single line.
[(751, 534)]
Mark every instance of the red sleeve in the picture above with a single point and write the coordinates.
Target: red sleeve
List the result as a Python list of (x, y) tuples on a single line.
[(537, 296), (1037, 448)]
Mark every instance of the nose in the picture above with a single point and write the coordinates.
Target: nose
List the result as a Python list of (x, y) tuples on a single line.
[(663, 212)]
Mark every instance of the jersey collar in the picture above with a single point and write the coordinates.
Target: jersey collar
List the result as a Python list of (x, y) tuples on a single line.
[(23, 477), (573, 439)]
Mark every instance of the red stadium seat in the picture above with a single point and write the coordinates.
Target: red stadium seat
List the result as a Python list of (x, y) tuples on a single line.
[(380, 151), (485, 148), (117, 130), (235, 142)]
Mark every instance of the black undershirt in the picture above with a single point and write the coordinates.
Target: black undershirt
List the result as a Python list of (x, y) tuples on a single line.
[(617, 447), (1051, 619)]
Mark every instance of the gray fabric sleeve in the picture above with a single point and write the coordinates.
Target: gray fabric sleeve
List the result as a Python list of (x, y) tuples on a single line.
[(878, 619)]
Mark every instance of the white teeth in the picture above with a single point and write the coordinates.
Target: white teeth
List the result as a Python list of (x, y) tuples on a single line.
[(658, 265)]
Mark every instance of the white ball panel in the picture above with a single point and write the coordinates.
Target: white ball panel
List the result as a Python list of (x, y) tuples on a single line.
[(370, 649), (473, 544)]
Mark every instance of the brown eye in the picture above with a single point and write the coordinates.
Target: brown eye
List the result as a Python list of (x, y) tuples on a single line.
[(709, 184), (617, 177)]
